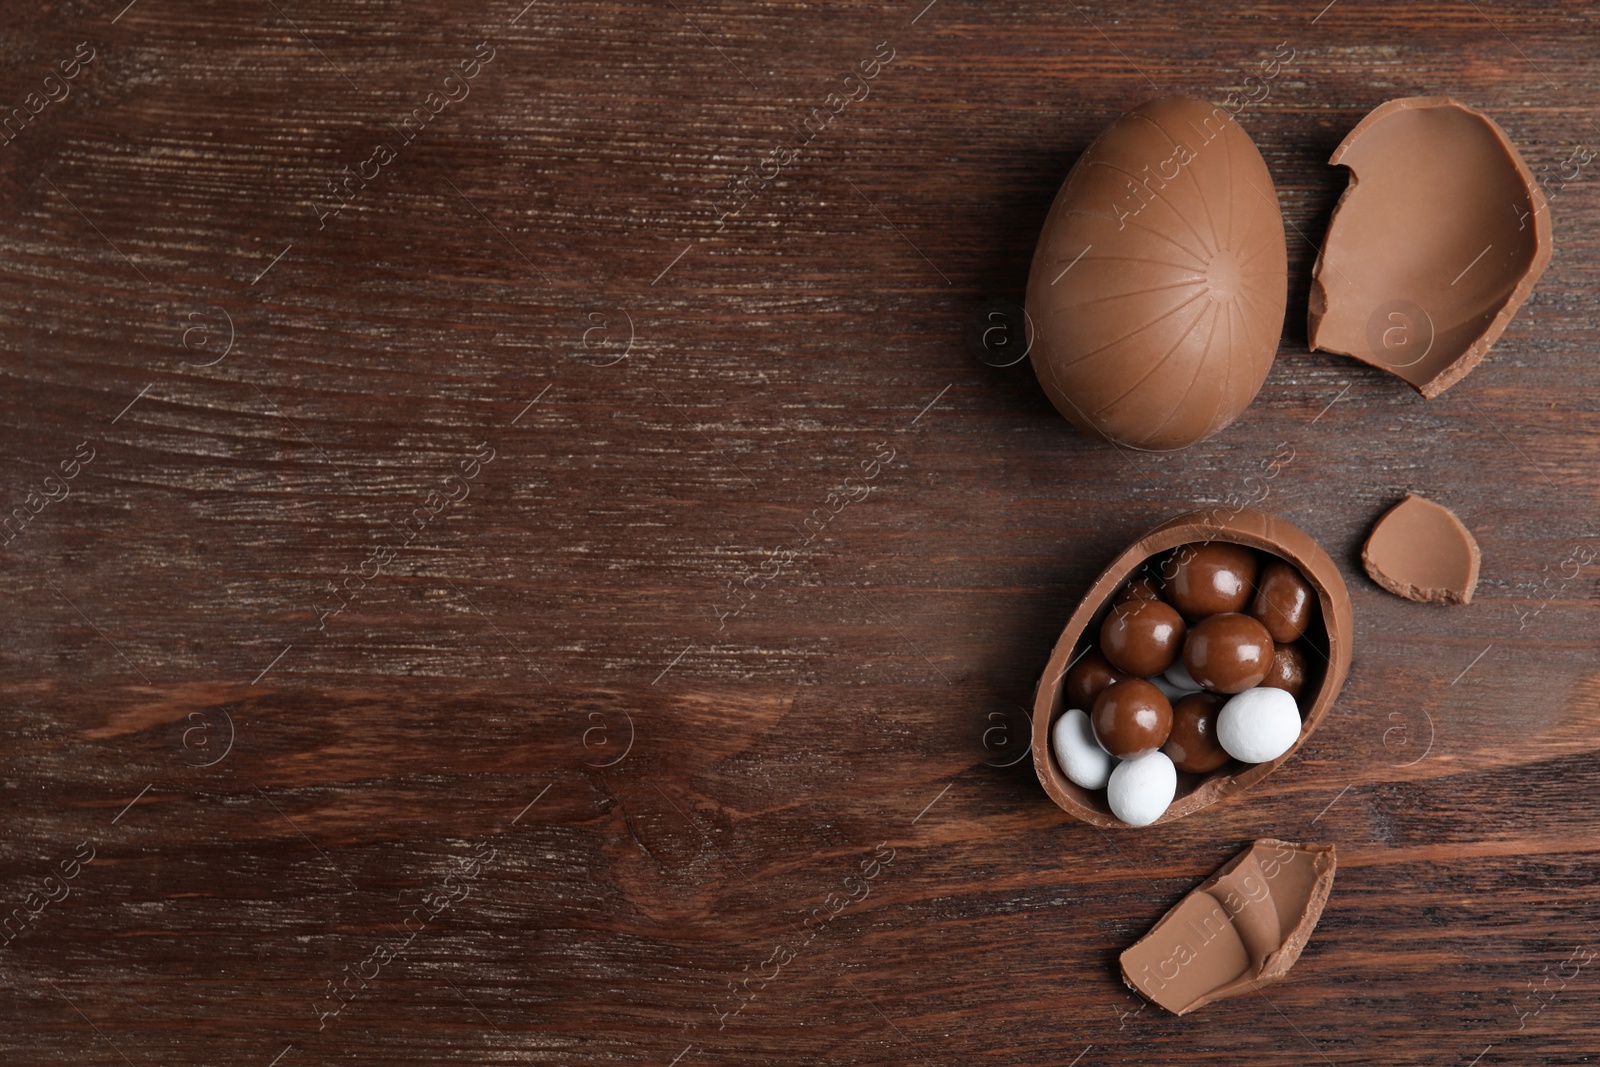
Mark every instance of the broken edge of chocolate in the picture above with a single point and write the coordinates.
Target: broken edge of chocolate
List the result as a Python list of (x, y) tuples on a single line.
[(1437, 241), (1421, 551), (1239, 930)]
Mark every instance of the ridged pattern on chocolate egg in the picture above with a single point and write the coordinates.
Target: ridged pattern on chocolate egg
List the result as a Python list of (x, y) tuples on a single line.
[(1158, 286)]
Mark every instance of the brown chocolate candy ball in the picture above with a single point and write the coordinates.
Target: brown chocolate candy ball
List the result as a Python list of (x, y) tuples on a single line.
[(1131, 718), (1285, 603), (1192, 745), (1288, 670), (1208, 578), (1228, 653), (1088, 677), (1143, 587), (1142, 637)]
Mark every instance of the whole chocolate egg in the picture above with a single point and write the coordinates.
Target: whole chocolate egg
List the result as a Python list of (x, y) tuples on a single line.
[(1158, 286)]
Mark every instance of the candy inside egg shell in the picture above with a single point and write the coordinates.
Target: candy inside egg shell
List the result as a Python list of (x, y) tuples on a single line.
[(1080, 755), (1140, 790), (1178, 678), (1326, 645), (1259, 725)]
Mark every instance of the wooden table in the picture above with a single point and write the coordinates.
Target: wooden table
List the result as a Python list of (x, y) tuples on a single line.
[(431, 650)]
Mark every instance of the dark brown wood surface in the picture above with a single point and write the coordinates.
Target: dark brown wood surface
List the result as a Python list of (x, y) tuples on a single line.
[(404, 658)]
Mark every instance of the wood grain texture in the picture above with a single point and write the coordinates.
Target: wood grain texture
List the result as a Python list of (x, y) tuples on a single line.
[(529, 774)]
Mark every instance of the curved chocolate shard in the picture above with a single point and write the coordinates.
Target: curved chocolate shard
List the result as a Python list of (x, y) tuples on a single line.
[(1158, 286), (1421, 551), (1331, 639), (1237, 931), (1435, 244)]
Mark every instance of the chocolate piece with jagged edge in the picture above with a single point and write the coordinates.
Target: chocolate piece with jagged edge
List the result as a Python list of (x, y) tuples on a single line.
[(1421, 551), (1435, 244), (1239, 930)]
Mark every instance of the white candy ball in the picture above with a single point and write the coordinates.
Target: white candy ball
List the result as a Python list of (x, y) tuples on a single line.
[(1141, 789), (1259, 725), (1079, 754), (1168, 690), (1178, 675)]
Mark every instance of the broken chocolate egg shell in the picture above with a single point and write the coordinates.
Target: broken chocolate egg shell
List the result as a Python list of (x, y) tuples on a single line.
[(1421, 551), (1158, 286), (1329, 641), (1436, 242), (1239, 930)]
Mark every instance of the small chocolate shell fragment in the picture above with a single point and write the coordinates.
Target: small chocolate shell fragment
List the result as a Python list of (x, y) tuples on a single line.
[(1434, 245), (1421, 551), (1159, 282), (1239, 930)]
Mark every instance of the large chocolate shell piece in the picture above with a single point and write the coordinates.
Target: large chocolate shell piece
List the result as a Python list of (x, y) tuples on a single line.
[(1158, 285), (1437, 240), (1239, 930), (1330, 640)]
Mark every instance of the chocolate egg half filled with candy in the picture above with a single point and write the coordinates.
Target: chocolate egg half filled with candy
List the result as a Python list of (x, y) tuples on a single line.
[(1158, 285), (1323, 654)]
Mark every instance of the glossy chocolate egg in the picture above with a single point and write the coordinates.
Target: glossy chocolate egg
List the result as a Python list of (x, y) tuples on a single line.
[(1284, 601), (1142, 637), (1087, 677), (1131, 718), (1228, 653), (1159, 282), (1192, 743), (1205, 579)]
